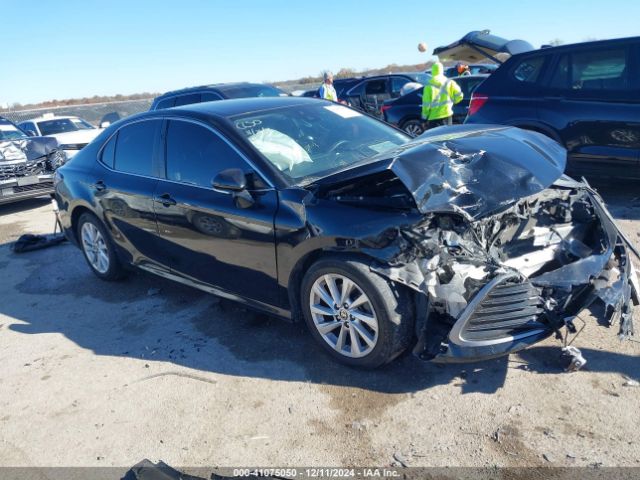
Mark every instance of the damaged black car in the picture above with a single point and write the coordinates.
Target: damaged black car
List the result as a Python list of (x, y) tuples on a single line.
[(462, 244), (26, 163)]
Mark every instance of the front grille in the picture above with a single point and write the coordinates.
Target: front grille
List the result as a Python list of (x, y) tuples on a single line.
[(25, 169), (507, 310), (34, 187)]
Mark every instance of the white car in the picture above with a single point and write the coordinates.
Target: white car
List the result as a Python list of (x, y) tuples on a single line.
[(72, 133)]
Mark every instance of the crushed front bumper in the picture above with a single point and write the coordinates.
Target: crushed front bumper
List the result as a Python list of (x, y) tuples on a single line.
[(503, 317)]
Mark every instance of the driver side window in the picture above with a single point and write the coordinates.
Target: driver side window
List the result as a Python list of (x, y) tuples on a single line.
[(194, 154)]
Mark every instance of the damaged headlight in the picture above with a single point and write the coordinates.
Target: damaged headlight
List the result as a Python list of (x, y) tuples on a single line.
[(56, 159)]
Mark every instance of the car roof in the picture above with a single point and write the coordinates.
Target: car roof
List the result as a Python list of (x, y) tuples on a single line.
[(214, 86), (233, 107), (593, 43)]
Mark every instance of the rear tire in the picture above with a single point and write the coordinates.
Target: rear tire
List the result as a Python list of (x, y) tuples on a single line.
[(98, 249), (413, 127), (373, 321)]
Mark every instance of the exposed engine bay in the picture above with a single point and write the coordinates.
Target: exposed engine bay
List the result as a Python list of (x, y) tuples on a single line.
[(501, 262)]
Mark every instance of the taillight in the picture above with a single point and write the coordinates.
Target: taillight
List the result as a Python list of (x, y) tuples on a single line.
[(384, 108), (477, 102)]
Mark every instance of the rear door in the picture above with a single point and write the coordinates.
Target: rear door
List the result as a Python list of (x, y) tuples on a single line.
[(594, 104), (124, 183), (208, 237)]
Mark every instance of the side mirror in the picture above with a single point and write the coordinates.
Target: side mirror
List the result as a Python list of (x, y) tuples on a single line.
[(105, 124), (234, 181), (231, 179)]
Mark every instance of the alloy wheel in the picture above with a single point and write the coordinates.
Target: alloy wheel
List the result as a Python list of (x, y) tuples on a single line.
[(413, 129), (95, 247), (343, 315)]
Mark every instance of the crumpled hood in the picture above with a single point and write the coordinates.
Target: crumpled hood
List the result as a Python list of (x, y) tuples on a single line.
[(477, 169), (473, 170), (26, 149), (78, 136)]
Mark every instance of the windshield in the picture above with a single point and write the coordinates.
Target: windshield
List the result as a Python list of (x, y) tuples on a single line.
[(246, 91), (310, 142), (8, 131), (61, 125)]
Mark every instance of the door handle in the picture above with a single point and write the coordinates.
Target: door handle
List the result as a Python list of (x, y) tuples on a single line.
[(165, 199), (99, 186)]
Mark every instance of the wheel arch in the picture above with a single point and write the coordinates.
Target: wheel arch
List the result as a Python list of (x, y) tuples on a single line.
[(76, 213)]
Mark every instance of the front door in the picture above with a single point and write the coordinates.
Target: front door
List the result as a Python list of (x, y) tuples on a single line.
[(208, 237)]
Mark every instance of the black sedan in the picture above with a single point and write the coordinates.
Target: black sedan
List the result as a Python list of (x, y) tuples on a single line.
[(405, 112), (465, 243)]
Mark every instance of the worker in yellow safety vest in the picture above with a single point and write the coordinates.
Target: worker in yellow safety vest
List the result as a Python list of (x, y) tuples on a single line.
[(327, 90), (439, 96)]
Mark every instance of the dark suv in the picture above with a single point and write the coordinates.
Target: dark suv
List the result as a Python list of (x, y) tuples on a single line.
[(210, 93), (406, 112), (369, 93), (586, 96)]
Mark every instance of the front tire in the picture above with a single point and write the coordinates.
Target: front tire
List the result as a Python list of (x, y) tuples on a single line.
[(98, 249), (357, 316)]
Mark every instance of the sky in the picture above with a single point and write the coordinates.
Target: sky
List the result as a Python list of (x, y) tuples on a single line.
[(57, 49)]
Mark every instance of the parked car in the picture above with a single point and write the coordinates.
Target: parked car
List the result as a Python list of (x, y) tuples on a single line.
[(72, 133), (405, 112), (26, 163), (369, 93), (466, 242), (585, 96), (212, 93)]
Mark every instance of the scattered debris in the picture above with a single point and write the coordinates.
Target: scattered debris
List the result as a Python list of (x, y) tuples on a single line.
[(547, 457), (358, 426), (577, 361), (398, 457), (630, 382)]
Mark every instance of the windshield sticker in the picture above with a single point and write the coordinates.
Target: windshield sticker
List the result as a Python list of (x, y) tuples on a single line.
[(248, 124), (343, 112), (382, 147)]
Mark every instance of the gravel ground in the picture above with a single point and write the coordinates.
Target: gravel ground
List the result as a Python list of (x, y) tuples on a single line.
[(101, 374)]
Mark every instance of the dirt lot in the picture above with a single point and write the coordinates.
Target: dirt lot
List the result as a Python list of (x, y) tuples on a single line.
[(107, 374)]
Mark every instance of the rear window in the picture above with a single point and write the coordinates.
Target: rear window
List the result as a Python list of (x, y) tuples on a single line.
[(376, 87), (166, 103), (528, 70), (108, 152), (135, 147), (188, 99), (592, 70), (600, 70)]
